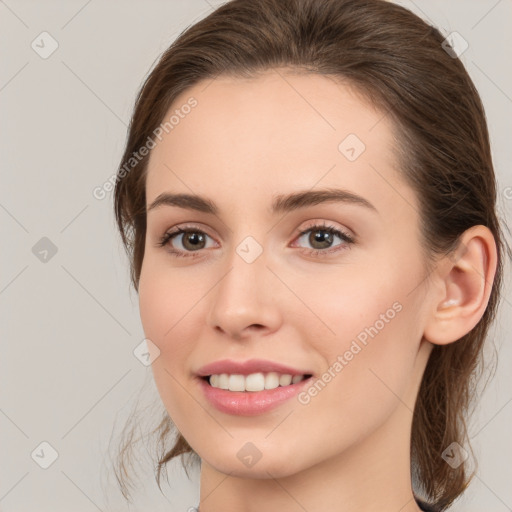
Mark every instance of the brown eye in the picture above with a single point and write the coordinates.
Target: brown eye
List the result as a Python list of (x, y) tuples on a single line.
[(187, 241), (321, 238), (193, 240)]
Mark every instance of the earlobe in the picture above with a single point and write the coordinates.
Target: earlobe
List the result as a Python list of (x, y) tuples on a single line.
[(465, 281)]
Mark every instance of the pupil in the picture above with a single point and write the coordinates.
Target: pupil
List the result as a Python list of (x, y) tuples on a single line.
[(194, 239), (324, 237)]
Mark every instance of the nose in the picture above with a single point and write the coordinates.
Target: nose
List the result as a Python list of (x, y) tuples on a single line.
[(244, 301)]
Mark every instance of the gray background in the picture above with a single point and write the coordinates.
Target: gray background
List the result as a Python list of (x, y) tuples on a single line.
[(69, 321)]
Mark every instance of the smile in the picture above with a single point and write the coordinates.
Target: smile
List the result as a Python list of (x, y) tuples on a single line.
[(234, 401), (253, 382)]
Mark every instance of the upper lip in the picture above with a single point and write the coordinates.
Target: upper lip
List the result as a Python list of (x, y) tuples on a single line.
[(247, 367)]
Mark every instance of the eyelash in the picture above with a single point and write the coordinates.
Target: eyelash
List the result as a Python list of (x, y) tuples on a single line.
[(346, 238)]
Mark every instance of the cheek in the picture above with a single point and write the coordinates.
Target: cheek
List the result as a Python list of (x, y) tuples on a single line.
[(165, 297), (166, 308), (366, 327), (342, 304)]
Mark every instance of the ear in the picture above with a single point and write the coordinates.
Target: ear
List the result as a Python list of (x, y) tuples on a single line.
[(464, 282)]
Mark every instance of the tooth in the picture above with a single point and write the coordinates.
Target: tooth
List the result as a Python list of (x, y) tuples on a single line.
[(271, 380), (236, 383), (285, 380), (223, 382), (255, 382)]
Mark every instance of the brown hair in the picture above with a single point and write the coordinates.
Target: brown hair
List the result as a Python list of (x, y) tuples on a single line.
[(397, 61)]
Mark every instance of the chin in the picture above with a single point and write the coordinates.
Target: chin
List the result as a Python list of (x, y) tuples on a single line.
[(244, 459)]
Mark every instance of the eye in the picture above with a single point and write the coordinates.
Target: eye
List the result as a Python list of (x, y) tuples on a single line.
[(322, 236), (188, 240)]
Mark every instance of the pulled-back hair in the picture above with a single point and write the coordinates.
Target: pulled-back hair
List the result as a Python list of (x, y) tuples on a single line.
[(398, 62)]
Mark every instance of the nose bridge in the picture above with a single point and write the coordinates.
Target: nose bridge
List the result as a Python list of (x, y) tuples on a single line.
[(246, 277)]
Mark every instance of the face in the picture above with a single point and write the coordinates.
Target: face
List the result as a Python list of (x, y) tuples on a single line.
[(343, 301)]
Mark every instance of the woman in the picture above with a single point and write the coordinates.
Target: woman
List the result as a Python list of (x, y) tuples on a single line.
[(307, 199)]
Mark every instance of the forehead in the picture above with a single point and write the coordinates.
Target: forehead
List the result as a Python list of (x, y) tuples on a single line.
[(272, 133)]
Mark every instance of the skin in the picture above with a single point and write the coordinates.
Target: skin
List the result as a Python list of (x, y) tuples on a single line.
[(244, 142)]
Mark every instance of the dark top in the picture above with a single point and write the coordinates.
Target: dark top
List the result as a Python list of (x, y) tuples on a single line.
[(425, 506)]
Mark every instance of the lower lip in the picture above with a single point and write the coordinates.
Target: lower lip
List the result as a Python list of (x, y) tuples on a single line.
[(250, 403)]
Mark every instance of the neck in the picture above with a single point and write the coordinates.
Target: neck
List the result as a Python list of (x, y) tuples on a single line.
[(373, 475)]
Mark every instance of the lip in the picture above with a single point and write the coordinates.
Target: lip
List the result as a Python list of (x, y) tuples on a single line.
[(250, 403), (248, 367)]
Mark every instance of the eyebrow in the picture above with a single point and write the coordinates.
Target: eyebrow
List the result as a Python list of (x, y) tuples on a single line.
[(281, 203)]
